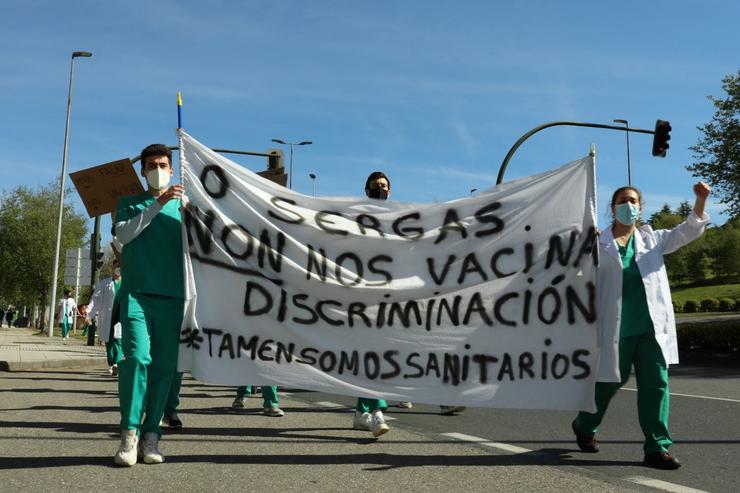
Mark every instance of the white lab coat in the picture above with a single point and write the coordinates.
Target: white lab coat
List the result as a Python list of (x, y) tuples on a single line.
[(101, 304), (67, 307), (650, 246)]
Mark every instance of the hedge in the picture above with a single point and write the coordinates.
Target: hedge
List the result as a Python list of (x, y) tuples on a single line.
[(714, 337), (691, 306), (709, 305), (726, 304)]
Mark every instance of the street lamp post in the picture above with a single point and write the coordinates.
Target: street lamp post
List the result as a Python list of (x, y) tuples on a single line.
[(313, 183), (52, 299), (629, 165), (291, 144)]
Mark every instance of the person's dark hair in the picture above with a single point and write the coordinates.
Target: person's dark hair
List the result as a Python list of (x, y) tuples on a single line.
[(155, 150), (67, 292), (376, 175), (616, 194), (620, 190)]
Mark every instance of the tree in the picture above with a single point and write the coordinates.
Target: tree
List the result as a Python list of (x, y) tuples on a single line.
[(676, 263), (725, 251), (28, 228), (717, 153)]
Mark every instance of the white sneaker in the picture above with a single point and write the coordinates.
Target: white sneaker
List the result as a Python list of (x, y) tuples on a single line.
[(239, 402), (450, 410), (126, 455), (361, 421), (273, 411), (405, 405), (149, 449), (377, 424)]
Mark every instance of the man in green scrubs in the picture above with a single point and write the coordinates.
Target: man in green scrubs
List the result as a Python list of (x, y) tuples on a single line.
[(151, 297)]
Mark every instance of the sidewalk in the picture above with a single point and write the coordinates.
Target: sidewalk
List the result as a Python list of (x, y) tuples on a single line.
[(23, 349)]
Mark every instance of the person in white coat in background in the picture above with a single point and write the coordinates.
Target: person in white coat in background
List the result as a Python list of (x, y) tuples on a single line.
[(636, 317), (101, 304)]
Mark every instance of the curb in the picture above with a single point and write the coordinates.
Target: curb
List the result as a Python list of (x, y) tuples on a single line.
[(94, 362)]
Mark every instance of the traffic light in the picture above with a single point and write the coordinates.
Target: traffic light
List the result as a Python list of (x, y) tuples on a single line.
[(99, 260), (661, 138)]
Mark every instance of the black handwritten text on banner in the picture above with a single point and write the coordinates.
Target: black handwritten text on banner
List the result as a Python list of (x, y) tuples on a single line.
[(484, 301)]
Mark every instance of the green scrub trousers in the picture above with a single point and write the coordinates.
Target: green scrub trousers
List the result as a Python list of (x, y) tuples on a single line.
[(653, 396), (150, 326), (65, 326), (173, 399), (269, 394), (370, 405), (113, 352)]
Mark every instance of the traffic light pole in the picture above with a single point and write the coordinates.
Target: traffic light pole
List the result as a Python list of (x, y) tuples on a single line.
[(527, 135), (94, 249)]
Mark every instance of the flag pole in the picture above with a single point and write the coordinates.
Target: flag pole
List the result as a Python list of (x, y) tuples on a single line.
[(179, 110)]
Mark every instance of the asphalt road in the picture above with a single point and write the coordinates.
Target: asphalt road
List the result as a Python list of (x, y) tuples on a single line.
[(58, 430), (704, 423)]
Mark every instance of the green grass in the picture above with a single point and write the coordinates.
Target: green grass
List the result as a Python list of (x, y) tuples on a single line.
[(731, 291)]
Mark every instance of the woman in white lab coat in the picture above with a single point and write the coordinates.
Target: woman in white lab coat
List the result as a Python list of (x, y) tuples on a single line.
[(636, 316)]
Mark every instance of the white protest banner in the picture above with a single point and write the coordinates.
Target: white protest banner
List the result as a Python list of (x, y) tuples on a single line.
[(485, 301)]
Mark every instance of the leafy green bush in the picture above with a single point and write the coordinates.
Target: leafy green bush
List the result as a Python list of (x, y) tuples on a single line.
[(691, 306), (713, 337), (737, 305), (709, 305), (726, 304), (677, 306)]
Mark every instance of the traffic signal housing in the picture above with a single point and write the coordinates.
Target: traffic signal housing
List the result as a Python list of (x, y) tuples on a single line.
[(661, 138), (99, 261)]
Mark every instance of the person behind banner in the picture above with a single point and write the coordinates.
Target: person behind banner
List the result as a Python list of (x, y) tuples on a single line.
[(369, 412), (636, 315), (101, 305), (270, 401), (149, 226), (378, 186)]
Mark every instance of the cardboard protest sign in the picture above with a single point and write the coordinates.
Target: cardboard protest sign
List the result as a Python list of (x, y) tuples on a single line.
[(483, 301), (101, 186)]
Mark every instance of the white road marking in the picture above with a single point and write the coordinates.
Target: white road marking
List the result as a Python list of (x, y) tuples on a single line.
[(663, 485), (328, 404), (725, 399), (487, 443)]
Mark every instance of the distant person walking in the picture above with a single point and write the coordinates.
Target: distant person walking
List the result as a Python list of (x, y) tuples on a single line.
[(67, 312)]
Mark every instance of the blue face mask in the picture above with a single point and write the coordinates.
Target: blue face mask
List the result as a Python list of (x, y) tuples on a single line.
[(627, 213)]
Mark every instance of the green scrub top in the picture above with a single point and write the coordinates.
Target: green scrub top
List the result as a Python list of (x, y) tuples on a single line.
[(635, 313), (152, 262)]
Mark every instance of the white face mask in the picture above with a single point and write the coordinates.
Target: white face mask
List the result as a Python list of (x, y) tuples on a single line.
[(158, 178)]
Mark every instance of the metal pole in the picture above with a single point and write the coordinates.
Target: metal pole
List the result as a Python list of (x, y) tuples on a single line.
[(94, 248), (527, 135), (629, 164), (290, 185), (52, 299)]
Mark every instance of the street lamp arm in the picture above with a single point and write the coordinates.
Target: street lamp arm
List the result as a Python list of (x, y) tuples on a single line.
[(527, 135)]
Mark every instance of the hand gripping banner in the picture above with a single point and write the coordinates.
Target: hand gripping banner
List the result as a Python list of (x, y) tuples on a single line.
[(483, 301)]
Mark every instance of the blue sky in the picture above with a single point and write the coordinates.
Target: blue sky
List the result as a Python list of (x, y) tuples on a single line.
[(432, 93)]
